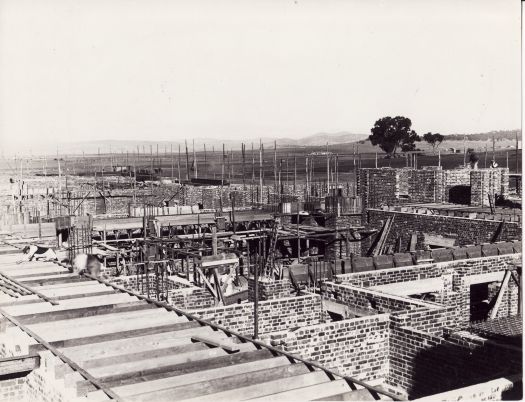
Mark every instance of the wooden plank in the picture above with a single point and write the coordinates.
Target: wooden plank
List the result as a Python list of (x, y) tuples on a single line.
[(122, 334), (58, 279), (499, 297), (411, 287), (233, 382), (413, 242), (136, 344), (206, 375), (262, 390), (321, 390), (358, 395), (30, 299), (40, 295), (147, 354), (82, 295), (160, 364), (85, 312), (217, 342), (19, 364), (191, 368), (43, 307), (97, 325), (208, 284), (85, 289)]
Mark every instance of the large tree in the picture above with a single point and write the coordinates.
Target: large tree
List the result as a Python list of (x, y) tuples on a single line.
[(434, 139), (392, 133)]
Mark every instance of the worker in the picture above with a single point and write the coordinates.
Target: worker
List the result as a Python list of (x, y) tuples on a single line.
[(38, 252), (88, 263)]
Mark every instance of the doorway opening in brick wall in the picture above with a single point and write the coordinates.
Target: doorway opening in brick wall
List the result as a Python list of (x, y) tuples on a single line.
[(479, 301)]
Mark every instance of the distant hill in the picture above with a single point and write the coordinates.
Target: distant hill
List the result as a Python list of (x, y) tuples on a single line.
[(344, 141), (93, 147)]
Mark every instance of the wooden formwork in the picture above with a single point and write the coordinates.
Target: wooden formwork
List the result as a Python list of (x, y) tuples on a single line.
[(120, 345)]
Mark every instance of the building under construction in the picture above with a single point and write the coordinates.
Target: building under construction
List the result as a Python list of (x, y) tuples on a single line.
[(331, 281)]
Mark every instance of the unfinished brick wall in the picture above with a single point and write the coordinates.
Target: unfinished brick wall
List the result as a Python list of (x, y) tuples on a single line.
[(378, 187), (355, 347), (424, 364), (369, 300), (426, 185), (343, 249), (191, 298), (471, 266), (269, 289), (141, 284), (456, 276), (466, 231), (274, 315), (488, 181), (388, 186)]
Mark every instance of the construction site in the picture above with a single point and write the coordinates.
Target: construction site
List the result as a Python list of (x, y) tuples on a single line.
[(267, 274)]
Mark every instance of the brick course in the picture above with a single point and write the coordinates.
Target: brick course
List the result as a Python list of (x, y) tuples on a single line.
[(466, 231), (274, 315), (356, 347)]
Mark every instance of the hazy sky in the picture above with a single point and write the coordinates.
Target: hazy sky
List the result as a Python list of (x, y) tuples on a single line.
[(166, 70)]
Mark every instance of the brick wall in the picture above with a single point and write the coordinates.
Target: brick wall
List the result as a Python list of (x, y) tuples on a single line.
[(369, 300), (355, 347), (472, 266), (191, 298), (488, 181), (274, 315), (140, 284), (426, 185), (269, 289), (378, 187), (343, 249), (509, 301), (13, 389), (464, 230), (424, 364)]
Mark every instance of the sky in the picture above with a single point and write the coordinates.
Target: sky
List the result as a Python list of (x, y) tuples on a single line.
[(76, 70)]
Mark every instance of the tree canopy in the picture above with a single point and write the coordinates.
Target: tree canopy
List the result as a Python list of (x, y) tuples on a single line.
[(392, 133), (434, 139)]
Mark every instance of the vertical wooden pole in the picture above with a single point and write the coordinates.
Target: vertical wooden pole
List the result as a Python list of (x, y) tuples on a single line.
[(243, 150), (178, 165), (260, 172), (205, 162), (194, 160), (256, 294), (187, 161)]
